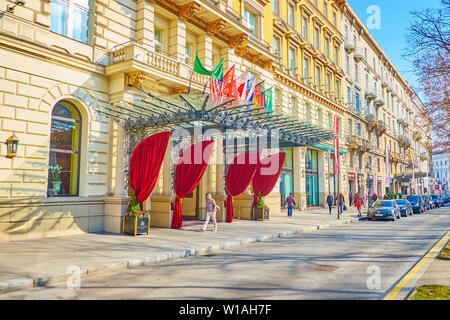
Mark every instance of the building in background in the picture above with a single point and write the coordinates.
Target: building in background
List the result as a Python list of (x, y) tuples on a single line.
[(384, 117), (441, 173), (63, 60)]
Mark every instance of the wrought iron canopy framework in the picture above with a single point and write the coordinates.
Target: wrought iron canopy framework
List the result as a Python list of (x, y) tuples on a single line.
[(194, 110)]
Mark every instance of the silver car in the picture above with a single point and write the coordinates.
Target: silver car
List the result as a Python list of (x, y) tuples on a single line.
[(384, 210)]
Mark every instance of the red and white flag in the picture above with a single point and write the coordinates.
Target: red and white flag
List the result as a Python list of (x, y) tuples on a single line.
[(214, 92), (336, 144)]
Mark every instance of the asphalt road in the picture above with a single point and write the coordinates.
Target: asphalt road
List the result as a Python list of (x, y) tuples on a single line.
[(354, 261)]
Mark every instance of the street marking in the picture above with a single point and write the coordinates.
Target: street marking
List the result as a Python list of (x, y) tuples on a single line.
[(418, 266)]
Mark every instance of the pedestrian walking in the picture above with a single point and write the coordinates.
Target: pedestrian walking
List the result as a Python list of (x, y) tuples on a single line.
[(330, 201), (350, 198), (359, 203), (290, 203), (341, 202), (211, 209)]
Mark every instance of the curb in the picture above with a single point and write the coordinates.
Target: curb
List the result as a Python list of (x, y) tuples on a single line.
[(33, 282)]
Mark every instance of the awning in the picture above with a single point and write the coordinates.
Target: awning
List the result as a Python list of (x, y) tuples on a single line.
[(193, 111), (325, 147)]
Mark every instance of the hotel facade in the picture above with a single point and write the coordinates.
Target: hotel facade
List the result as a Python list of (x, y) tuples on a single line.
[(62, 61)]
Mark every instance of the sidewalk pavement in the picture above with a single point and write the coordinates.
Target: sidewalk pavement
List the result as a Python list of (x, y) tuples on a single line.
[(40, 262)]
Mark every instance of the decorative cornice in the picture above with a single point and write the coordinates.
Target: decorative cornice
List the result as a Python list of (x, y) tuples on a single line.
[(135, 78), (256, 57), (180, 90), (188, 10), (241, 51), (215, 26), (300, 88), (238, 40)]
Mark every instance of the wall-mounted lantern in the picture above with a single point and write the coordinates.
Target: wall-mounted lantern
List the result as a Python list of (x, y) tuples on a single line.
[(11, 144)]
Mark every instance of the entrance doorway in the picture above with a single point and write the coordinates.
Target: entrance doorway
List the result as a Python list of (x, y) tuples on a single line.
[(286, 177), (312, 178)]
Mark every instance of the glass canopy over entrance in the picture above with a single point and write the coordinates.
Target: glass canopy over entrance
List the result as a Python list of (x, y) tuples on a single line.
[(188, 111)]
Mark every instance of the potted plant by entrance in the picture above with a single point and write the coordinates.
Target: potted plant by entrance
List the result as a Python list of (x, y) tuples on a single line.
[(260, 211), (55, 171), (136, 220)]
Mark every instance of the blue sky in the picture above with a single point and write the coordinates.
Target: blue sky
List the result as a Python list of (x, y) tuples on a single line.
[(395, 19)]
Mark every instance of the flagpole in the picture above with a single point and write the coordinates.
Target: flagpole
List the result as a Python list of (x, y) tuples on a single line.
[(192, 72), (204, 88)]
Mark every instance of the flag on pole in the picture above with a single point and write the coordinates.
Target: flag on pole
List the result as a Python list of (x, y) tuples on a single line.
[(336, 145), (227, 84), (251, 83), (267, 94), (217, 73), (259, 99), (214, 93), (242, 78)]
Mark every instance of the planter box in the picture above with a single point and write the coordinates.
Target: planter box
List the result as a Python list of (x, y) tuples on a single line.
[(261, 214), (134, 225)]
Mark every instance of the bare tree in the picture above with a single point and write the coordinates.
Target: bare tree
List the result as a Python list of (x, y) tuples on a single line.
[(429, 51)]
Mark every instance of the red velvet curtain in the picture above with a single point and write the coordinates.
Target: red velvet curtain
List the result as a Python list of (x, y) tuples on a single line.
[(239, 176), (189, 171), (145, 164), (267, 174)]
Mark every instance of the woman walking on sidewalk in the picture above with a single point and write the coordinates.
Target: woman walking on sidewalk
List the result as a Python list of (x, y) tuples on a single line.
[(211, 208), (359, 203), (290, 203)]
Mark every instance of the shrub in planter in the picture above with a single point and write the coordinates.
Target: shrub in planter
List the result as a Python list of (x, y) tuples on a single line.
[(260, 211), (135, 221)]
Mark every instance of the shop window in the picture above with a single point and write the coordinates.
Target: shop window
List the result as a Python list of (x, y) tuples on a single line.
[(71, 18), (64, 161)]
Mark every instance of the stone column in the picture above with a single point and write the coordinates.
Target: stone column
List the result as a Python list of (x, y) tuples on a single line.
[(177, 39), (116, 205), (145, 17), (205, 50)]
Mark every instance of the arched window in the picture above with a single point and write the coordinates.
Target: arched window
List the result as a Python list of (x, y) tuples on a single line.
[(64, 160)]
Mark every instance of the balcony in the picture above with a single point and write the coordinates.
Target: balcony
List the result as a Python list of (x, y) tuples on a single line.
[(355, 142), (384, 84), (372, 122), (379, 102), (395, 157), (168, 70), (349, 47), (381, 128), (358, 55), (371, 94), (424, 156), (404, 141), (417, 136)]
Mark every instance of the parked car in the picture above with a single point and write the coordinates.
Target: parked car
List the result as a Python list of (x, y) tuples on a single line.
[(437, 200), (430, 201), (405, 207), (417, 203), (384, 210)]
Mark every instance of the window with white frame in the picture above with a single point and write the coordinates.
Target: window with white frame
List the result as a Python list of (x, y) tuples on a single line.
[(251, 21), (291, 15), (305, 27), (159, 40), (276, 7), (276, 46), (292, 60), (71, 18)]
